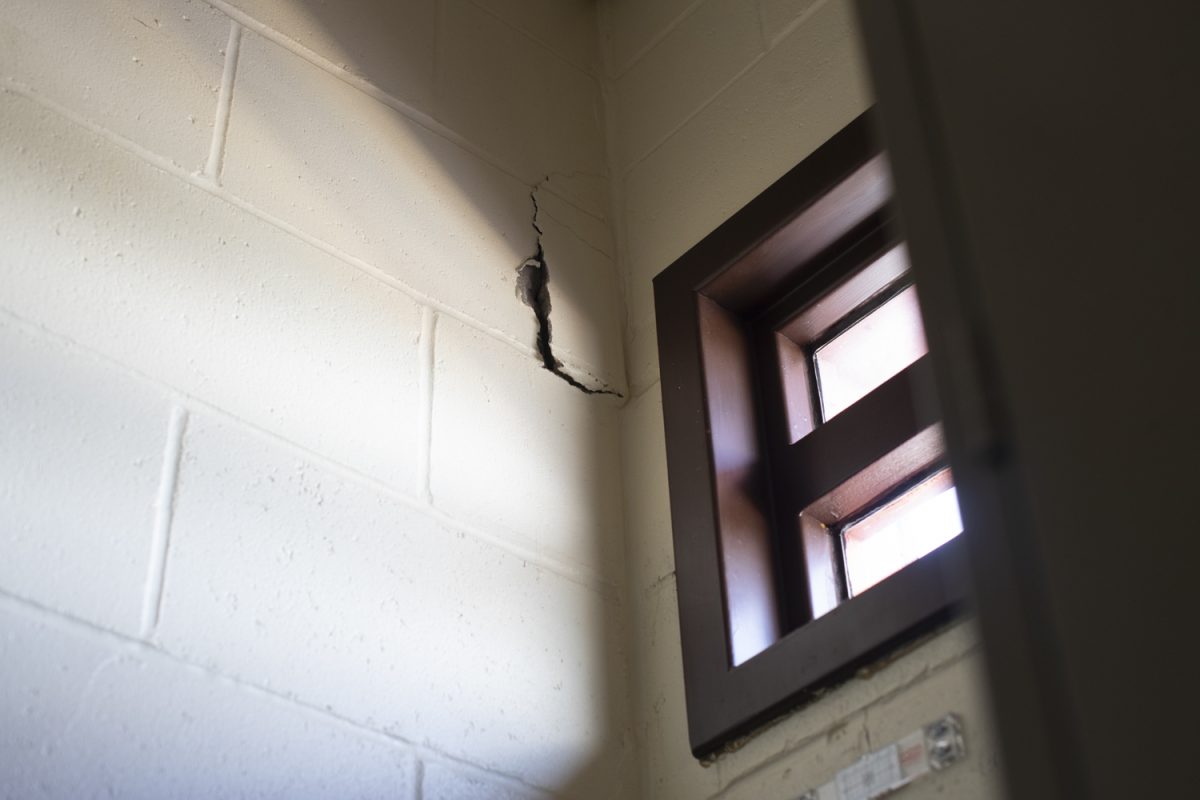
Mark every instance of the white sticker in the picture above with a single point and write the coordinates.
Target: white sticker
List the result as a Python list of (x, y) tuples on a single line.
[(871, 776)]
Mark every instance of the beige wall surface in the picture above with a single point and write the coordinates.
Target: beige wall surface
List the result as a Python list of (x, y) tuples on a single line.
[(288, 504), (709, 103)]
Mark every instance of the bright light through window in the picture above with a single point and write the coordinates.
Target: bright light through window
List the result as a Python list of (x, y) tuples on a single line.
[(869, 352), (913, 525)]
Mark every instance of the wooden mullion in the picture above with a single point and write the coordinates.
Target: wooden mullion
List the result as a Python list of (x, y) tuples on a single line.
[(882, 421)]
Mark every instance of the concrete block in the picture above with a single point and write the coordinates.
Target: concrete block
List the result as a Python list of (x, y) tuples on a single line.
[(591, 229), (90, 718), (80, 461), (186, 288), (519, 452), (389, 43), (681, 73), (809, 744), (536, 113), (777, 15), (634, 24), (47, 675), (148, 70), (442, 781), (839, 706), (366, 179), (818, 758), (805, 767), (319, 589), (807, 88), (669, 771), (585, 295), (641, 344), (567, 27), (649, 548), (958, 688)]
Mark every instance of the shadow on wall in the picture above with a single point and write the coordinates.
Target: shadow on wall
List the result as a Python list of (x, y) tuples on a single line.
[(445, 201), (433, 192), (430, 172)]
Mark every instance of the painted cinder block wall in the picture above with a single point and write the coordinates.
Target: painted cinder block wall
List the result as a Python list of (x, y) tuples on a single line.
[(710, 102), (288, 505)]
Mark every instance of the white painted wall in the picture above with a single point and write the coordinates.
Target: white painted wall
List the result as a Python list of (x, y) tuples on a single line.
[(288, 507), (710, 101)]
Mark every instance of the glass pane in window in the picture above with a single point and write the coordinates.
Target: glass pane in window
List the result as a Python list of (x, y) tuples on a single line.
[(914, 524), (869, 352)]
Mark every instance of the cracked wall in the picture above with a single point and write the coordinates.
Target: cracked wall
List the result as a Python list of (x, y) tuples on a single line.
[(300, 496), (533, 288), (291, 507)]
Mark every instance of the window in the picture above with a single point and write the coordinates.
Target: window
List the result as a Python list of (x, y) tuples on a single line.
[(814, 516)]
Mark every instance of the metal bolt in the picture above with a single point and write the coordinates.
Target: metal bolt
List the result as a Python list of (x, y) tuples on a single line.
[(944, 742)]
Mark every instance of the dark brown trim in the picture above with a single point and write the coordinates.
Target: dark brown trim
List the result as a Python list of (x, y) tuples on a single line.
[(755, 481), (830, 648), (880, 423), (745, 541)]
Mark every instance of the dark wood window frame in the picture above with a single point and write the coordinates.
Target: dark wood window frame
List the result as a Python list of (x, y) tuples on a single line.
[(745, 457)]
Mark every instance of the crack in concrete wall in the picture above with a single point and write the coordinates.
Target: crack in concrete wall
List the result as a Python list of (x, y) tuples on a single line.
[(533, 288)]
